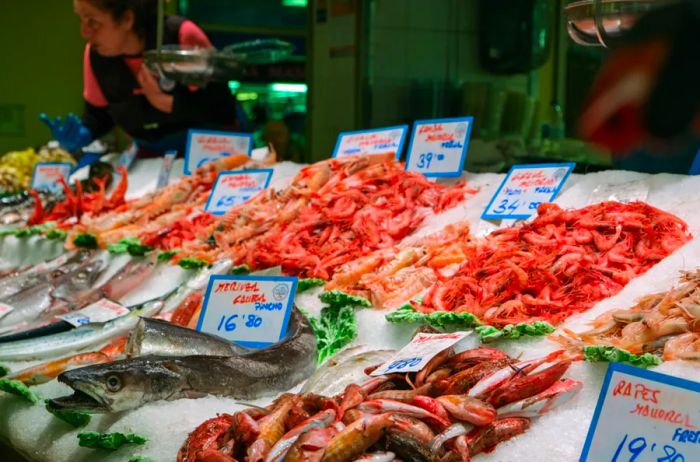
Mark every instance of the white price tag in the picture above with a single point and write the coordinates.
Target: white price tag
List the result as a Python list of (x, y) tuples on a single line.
[(165, 168), (252, 311), (5, 309), (48, 174), (525, 188), (631, 191), (375, 141), (101, 311), (644, 416), (233, 188), (439, 147), (205, 146), (414, 356)]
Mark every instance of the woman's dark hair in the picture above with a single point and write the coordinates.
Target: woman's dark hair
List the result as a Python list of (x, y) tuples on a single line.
[(145, 12)]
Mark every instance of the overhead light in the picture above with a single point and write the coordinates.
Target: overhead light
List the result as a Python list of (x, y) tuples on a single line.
[(247, 96), (295, 3), (289, 87), (234, 85)]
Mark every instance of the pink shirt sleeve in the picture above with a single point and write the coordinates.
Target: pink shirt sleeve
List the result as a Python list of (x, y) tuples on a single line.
[(92, 93), (191, 34)]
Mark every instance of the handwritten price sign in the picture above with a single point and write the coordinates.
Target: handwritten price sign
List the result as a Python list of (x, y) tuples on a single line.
[(233, 188), (204, 147), (644, 416), (48, 174), (252, 311), (439, 147), (525, 188), (367, 142), (414, 356), (166, 166), (101, 311)]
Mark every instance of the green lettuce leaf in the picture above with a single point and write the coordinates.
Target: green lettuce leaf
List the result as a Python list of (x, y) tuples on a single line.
[(514, 331), (36, 229), (85, 240), (607, 353), (74, 418), (334, 328), (167, 255), (141, 459), (110, 441), (131, 245), (16, 387), (192, 263), (56, 235), (3, 371), (309, 283), (407, 314), (240, 269), (339, 298)]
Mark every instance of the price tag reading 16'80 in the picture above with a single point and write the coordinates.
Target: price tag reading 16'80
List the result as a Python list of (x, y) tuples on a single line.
[(252, 311), (416, 355), (525, 188), (644, 416), (233, 188)]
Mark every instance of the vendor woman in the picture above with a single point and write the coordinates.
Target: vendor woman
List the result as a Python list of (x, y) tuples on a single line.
[(120, 91)]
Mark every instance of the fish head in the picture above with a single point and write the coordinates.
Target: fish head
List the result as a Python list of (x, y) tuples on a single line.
[(120, 385)]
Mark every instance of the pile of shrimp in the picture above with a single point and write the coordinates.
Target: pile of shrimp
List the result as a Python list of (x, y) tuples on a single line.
[(334, 212), (665, 323), (561, 263), (457, 406)]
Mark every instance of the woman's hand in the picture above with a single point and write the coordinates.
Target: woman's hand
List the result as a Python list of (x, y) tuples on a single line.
[(161, 101)]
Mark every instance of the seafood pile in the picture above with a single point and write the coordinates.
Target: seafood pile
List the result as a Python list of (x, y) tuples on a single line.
[(666, 323), (458, 406), (332, 213), (562, 262)]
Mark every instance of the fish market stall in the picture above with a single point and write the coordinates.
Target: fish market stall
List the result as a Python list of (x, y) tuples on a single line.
[(557, 435)]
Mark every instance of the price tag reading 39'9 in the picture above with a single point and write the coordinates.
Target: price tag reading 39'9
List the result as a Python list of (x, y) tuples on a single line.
[(368, 142), (439, 147), (252, 311), (525, 188), (204, 147), (233, 188), (414, 356), (48, 174), (644, 416)]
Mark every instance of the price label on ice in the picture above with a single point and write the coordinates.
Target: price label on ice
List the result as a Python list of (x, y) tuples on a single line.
[(644, 416), (414, 356), (101, 311), (525, 188), (48, 174), (165, 168), (439, 147), (249, 310), (233, 188), (204, 147), (367, 142)]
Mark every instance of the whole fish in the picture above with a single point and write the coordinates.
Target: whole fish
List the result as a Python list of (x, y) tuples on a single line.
[(130, 383), (345, 368)]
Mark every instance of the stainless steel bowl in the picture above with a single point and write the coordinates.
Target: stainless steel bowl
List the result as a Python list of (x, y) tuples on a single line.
[(601, 22)]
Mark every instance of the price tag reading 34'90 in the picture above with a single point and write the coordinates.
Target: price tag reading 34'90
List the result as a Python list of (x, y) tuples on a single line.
[(415, 356), (233, 188), (439, 147), (252, 311), (644, 416), (525, 188), (204, 147), (48, 174), (368, 142)]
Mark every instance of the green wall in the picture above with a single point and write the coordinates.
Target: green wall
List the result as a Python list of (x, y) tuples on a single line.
[(40, 68)]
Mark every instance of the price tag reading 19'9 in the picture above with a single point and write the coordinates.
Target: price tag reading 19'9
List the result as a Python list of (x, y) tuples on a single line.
[(233, 188), (525, 188), (252, 311), (414, 356), (48, 174), (204, 147), (375, 141), (439, 147), (644, 416)]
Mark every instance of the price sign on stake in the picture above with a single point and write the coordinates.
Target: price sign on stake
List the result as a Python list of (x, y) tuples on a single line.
[(233, 188), (252, 311), (525, 188), (367, 142), (101, 311), (47, 175), (205, 146), (166, 166), (644, 416), (414, 356), (439, 147)]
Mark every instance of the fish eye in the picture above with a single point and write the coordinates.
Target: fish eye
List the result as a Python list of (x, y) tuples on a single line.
[(114, 383)]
